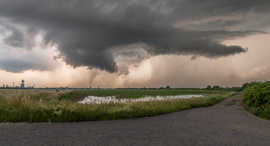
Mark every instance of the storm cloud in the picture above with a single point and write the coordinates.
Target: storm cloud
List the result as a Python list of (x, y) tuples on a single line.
[(22, 62), (95, 33)]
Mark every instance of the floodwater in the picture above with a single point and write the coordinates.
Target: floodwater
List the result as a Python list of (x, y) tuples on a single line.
[(113, 99)]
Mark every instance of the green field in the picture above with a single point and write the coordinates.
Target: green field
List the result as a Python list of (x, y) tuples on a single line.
[(50, 106), (133, 93)]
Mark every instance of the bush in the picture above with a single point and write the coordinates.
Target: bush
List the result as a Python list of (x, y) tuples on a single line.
[(256, 98)]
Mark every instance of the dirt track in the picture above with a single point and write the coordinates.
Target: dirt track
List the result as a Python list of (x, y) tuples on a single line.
[(226, 123)]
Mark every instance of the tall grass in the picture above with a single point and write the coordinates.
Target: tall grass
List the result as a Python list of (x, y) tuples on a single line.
[(44, 106)]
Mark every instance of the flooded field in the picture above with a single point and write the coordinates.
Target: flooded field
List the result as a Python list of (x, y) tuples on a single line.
[(113, 99)]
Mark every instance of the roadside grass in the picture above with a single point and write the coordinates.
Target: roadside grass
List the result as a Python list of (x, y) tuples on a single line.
[(256, 99), (44, 106)]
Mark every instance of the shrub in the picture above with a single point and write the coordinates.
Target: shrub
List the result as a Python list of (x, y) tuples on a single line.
[(256, 98)]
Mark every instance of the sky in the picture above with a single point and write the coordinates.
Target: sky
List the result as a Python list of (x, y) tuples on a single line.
[(134, 43)]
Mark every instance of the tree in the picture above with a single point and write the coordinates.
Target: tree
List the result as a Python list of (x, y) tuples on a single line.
[(208, 87), (215, 87)]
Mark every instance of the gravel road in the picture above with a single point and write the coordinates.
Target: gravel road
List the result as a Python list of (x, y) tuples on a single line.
[(226, 123)]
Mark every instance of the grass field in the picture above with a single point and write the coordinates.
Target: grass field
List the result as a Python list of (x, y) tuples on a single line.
[(133, 93), (50, 106)]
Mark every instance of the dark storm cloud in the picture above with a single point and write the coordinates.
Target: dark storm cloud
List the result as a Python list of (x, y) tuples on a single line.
[(15, 39), (22, 63), (193, 9), (86, 31), (16, 66)]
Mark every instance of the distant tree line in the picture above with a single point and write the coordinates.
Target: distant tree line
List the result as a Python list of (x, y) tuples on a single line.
[(216, 87)]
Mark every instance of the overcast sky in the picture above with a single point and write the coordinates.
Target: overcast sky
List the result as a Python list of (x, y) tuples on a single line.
[(134, 43)]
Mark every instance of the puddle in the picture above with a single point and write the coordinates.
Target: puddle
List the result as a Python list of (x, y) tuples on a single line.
[(113, 99)]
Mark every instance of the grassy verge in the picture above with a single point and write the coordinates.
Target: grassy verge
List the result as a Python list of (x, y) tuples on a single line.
[(256, 99), (42, 106)]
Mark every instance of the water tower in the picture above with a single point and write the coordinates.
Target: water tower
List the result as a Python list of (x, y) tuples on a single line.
[(22, 84)]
